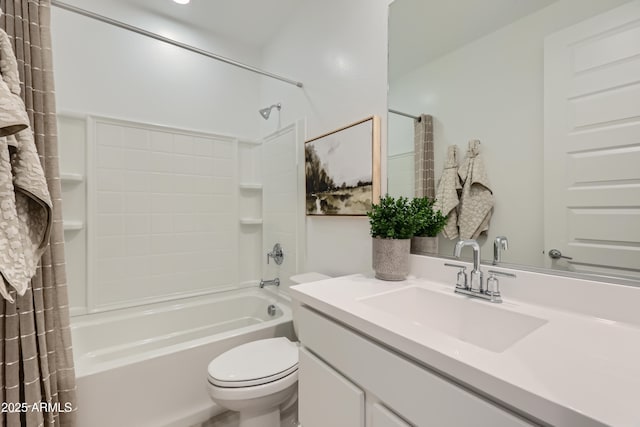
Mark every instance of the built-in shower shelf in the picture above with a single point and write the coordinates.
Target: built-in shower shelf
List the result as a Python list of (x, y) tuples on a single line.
[(71, 177), (72, 225), (250, 186), (251, 221)]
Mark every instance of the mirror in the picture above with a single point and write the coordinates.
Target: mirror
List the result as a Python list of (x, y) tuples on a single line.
[(479, 69)]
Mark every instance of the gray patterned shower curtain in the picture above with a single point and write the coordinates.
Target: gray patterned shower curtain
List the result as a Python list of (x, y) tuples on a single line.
[(423, 155), (37, 379)]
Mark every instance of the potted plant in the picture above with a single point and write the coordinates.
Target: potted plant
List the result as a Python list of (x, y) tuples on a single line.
[(428, 223), (392, 226)]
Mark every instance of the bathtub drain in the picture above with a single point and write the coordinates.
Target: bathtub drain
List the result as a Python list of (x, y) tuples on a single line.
[(271, 310)]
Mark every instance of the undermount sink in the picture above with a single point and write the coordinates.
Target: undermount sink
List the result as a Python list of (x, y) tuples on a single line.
[(477, 322)]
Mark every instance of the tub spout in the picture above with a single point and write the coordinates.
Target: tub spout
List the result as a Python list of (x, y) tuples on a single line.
[(274, 282)]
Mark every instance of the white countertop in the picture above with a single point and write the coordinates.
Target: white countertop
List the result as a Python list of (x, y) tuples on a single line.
[(575, 370)]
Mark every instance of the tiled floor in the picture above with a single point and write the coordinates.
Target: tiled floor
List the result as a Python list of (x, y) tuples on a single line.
[(288, 418)]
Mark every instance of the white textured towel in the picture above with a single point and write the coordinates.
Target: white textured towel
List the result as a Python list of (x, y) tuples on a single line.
[(476, 201), (447, 197), (25, 203)]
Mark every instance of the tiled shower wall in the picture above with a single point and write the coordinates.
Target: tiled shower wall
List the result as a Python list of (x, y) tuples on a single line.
[(165, 213)]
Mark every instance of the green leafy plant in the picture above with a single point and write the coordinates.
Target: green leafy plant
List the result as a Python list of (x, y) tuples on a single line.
[(428, 222), (392, 218)]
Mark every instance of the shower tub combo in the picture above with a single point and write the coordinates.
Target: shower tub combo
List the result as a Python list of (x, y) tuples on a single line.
[(148, 367)]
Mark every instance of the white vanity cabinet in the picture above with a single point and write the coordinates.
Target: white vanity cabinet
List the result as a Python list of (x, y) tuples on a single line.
[(342, 372), (382, 417), (325, 397)]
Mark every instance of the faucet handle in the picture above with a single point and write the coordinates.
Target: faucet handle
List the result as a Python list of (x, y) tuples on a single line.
[(461, 279), (501, 273), (493, 287), (447, 264)]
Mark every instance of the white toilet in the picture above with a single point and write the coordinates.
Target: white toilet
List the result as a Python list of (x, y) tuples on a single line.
[(259, 378)]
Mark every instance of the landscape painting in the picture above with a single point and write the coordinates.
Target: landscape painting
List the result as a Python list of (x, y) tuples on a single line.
[(342, 170)]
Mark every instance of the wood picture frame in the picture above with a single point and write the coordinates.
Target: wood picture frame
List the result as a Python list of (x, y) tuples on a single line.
[(342, 170)]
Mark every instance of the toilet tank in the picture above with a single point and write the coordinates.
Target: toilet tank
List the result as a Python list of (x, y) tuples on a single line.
[(303, 278)]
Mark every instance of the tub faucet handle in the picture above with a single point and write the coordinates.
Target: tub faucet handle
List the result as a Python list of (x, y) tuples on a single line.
[(276, 253)]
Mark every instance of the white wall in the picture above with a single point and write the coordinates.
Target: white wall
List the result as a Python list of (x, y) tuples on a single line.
[(492, 90), (108, 71), (338, 50)]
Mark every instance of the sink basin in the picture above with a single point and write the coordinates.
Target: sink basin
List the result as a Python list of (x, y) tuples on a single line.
[(477, 322)]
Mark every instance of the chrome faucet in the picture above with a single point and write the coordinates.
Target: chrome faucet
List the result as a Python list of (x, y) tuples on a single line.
[(475, 284), (476, 288), (501, 243)]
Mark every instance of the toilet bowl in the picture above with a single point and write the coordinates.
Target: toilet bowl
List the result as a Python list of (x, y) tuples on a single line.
[(260, 378)]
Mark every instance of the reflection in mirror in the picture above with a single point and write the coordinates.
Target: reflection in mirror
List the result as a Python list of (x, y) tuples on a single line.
[(550, 88)]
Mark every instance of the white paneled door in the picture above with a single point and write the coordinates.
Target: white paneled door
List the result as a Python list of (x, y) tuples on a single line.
[(283, 201), (592, 143)]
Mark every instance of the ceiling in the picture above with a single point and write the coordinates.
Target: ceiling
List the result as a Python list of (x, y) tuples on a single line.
[(251, 22), (422, 30)]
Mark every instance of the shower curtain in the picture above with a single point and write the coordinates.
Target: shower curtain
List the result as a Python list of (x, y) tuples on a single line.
[(423, 149), (37, 378)]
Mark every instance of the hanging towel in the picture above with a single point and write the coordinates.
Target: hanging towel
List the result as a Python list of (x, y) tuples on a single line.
[(447, 195), (25, 203), (476, 201), (13, 117)]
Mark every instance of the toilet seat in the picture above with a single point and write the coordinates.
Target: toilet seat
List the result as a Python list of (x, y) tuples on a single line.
[(254, 363)]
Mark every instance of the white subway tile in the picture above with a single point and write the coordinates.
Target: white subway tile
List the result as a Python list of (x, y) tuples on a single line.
[(222, 167), (137, 245), (109, 247), (184, 223), (182, 144), (161, 162), (136, 138), (202, 146), (223, 149), (137, 203), (162, 203), (110, 202), (137, 224), (183, 164), (109, 269), (109, 180), (162, 223), (161, 141), (163, 243), (137, 267), (110, 157), (137, 181), (109, 225), (162, 265), (110, 135), (137, 160)]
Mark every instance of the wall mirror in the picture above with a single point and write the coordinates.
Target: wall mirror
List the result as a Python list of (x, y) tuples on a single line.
[(551, 89)]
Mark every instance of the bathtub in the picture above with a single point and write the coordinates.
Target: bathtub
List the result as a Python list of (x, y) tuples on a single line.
[(147, 366)]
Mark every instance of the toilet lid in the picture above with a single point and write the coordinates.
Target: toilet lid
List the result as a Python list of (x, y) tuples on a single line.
[(254, 363)]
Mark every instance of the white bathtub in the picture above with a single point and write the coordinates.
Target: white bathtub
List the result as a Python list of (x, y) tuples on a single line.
[(147, 366)]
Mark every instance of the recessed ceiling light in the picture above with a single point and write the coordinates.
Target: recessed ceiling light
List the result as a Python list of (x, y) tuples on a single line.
[(182, 1)]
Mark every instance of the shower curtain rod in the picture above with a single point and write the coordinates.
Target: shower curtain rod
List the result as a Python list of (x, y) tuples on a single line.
[(400, 113), (158, 37)]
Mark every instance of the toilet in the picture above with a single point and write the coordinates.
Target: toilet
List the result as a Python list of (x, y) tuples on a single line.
[(260, 378)]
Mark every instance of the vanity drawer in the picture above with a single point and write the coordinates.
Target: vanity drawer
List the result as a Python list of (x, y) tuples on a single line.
[(420, 396)]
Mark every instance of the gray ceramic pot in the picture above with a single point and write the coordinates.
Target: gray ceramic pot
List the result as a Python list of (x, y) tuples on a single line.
[(422, 245), (391, 258)]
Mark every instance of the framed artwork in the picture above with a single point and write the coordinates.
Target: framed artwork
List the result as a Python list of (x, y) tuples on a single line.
[(342, 169)]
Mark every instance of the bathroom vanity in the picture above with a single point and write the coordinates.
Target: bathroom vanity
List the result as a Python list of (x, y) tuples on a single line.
[(557, 352)]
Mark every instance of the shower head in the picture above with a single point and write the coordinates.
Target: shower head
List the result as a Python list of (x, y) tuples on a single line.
[(265, 112)]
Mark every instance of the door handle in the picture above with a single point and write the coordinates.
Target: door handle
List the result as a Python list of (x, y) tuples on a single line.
[(556, 254)]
